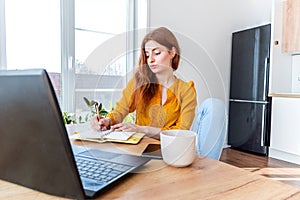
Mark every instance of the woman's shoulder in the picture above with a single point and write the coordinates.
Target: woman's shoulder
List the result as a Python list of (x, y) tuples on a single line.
[(129, 87), (131, 81), (185, 89), (185, 84)]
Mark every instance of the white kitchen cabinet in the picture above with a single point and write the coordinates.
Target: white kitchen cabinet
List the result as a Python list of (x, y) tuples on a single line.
[(280, 63), (291, 26), (284, 89), (285, 129)]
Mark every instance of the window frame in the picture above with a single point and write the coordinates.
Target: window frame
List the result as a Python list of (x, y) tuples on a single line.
[(2, 36)]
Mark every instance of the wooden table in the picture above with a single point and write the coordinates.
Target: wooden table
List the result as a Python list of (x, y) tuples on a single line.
[(204, 179)]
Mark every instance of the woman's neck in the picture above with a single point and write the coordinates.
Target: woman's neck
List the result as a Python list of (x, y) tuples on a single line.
[(166, 80)]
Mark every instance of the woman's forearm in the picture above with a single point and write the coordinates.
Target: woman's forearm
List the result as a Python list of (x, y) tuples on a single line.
[(152, 132)]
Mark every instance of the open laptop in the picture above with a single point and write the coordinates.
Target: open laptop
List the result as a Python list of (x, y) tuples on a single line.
[(35, 150)]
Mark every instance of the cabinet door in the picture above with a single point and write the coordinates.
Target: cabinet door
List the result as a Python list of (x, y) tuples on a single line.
[(291, 26), (285, 126), (280, 63)]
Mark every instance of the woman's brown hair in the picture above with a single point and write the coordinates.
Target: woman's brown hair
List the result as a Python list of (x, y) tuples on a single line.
[(146, 83)]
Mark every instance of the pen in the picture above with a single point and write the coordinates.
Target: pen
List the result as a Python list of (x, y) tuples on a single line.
[(100, 122), (98, 116), (97, 111)]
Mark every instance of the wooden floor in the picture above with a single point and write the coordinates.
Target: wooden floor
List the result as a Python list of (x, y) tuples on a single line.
[(286, 172)]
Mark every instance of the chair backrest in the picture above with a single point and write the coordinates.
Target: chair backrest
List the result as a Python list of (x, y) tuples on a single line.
[(210, 125)]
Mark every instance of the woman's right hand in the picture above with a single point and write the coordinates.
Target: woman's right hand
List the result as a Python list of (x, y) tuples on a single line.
[(100, 123)]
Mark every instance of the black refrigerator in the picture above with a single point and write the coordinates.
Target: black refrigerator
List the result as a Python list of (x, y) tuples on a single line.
[(249, 104)]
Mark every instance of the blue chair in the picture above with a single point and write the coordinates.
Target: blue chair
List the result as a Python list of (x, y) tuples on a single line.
[(210, 125)]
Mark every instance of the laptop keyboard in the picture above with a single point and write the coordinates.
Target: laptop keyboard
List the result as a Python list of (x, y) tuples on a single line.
[(100, 170)]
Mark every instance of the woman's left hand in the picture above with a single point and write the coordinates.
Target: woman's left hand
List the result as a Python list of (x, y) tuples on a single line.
[(126, 126)]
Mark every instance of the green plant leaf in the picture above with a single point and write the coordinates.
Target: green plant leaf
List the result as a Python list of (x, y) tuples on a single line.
[(103, 113), (86, 101), (87, 117), (93, 103), (68, 119)]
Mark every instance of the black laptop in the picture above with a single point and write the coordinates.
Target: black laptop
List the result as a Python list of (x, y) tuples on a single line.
[(35, 150)]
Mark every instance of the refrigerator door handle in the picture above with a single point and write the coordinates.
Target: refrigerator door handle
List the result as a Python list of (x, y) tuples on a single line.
[(247, 101), (265, 77), (262, 133)]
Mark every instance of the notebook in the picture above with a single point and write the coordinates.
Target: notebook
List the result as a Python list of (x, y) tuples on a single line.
[(103, 135), (87, 134), (35, 150)]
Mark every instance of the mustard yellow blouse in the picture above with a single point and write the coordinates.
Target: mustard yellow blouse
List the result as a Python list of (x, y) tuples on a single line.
[(177, 112)]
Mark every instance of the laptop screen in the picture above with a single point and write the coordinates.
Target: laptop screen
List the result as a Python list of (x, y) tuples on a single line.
[(34, 148)]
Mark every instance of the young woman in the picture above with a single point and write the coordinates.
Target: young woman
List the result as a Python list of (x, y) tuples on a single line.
[(160, 99)]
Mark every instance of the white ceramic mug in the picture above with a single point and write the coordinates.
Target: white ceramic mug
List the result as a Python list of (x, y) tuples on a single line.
[(178, 147)]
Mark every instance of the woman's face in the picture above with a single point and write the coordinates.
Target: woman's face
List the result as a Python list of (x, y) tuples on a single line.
[(158, 57)]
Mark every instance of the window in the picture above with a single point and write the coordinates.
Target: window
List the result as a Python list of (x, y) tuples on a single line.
[(33, 36), (100, 63), (102, 37), (65, 37)]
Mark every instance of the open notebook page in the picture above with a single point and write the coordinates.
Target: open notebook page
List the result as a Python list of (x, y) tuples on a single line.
[(109, 134)]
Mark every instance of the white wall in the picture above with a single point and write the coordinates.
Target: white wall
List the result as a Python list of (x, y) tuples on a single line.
[(204, 28), (296, 73)]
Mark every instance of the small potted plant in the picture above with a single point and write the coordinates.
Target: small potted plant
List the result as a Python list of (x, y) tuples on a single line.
[(94, 106)]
